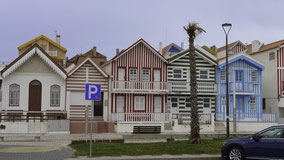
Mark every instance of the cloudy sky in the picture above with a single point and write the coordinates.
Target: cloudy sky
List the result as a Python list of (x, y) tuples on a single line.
[(111, 24)]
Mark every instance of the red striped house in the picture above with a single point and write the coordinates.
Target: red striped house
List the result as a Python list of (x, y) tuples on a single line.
[(139, 87)]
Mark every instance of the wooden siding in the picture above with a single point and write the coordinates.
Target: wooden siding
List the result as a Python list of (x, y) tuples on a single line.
[(238, 48), (139, 57), (77, 81)]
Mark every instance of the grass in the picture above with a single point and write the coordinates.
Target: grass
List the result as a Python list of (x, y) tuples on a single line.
[(208, 146)]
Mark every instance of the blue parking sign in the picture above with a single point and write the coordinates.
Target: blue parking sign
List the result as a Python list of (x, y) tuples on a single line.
[(93, 92)]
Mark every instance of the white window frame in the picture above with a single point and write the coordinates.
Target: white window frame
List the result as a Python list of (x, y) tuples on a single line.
[(207, 103), (254, 78), (223, 101), (55, 96), (253, 103), (177, 69), (207, 74), (132, 74), (174, 102), (139, 103), (14, 96), (186, 103), (271, 56), (223, 77), (145, 75)]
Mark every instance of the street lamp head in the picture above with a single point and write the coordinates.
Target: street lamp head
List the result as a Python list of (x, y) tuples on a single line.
[(227, 27)]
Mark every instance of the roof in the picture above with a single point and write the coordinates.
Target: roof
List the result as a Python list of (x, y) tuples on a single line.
[(89, 53), (42, 37), (136, 43), (229, 46), (269, 46), (88, 59), (34, 49), (200, 51), (169, 47), (241, 56), (165, 49)]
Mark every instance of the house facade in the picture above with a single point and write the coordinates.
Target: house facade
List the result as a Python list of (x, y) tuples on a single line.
[(179, 96), (245, 92), (139, 87)]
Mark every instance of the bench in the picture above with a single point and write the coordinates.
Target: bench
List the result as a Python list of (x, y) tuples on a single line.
[(10, 137), (146, 129)]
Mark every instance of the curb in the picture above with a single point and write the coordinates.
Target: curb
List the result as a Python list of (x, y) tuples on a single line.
[(167, 157)]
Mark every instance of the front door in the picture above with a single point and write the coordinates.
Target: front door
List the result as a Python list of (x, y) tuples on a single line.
[(157, 108), (120, 104), (240, 107), (157, 79), (35, 96), (239, 80), (121, 78), (99, 106)]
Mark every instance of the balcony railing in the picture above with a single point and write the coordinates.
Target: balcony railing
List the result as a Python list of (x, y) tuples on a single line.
[(140, 117), (137, 86), (185, 118), (201, 87), (241, 87), (52, 53), (248, 117), (12, 116)]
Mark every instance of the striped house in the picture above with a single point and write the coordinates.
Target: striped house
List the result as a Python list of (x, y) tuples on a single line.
[(179, 78), (81, 71), (139, 87), (245, 90), (233, 48)]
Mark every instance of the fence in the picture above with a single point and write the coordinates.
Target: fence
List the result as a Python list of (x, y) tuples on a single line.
[(248, 117), (204, 118), (140, 117)]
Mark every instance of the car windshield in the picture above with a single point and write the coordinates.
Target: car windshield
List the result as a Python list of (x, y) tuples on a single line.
[(272, 133)]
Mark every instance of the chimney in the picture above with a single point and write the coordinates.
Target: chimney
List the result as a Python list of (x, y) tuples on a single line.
[(160, 47), (117, 51), (58, 39), (255, 45), (182, 45), (213, 48), (94, 51)]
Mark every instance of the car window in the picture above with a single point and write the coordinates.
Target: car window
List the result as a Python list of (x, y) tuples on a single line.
[(272, 133)]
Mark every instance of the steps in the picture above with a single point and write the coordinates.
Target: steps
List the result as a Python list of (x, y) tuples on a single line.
[(219, 127), (168, 126)]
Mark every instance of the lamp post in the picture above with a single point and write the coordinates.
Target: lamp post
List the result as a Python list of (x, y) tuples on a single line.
[(227, 27)]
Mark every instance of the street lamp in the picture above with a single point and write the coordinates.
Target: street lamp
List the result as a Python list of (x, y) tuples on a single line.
[(227, 27)]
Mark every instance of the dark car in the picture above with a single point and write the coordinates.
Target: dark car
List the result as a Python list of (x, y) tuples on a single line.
[(266, 144)]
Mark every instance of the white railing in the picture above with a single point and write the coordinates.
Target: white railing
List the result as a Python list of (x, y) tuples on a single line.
[(242, 87), (140, 117), (201, 87), (139, 86), (52, 53), (248, 117), (204, 118)]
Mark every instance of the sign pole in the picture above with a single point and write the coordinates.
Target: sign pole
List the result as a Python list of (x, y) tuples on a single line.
[(91, 131)]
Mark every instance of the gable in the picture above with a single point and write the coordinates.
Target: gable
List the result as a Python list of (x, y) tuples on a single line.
[(242, 57)]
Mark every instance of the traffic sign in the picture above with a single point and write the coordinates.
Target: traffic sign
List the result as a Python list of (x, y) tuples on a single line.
[(93, 92)]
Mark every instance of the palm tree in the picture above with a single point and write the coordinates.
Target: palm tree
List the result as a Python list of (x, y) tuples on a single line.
[(193, 30)]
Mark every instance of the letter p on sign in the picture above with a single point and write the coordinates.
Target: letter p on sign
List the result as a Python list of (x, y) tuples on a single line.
[(93, 92)]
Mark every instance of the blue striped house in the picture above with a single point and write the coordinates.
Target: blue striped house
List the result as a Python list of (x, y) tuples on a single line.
[(245, 89)]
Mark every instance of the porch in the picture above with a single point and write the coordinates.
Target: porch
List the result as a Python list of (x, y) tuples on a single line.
[(139, 86), (248, 117), (201, 87)]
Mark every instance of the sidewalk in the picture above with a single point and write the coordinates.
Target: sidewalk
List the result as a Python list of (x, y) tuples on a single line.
[(162, 157)]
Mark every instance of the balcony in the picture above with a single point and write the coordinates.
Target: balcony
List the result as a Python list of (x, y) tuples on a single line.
[(52, 53), (201, 87), (141, 87), (140, 117), (242, 87)]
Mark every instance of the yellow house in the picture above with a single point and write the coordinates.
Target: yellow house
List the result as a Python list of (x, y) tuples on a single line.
[(54, 49)]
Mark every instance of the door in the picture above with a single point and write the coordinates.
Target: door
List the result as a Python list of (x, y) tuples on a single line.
[(239, 79), (99, 106), (121, 78), (35, 96), (157, 108), (120, 108), (157, 79), (240, 107)]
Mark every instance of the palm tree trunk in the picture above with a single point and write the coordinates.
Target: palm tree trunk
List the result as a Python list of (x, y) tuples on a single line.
[(195, 127)]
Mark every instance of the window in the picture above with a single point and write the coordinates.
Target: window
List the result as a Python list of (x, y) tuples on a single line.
[(51, 48), (177, 73), (145, 75), (43, 47), (187, 102), (223, 75), (101, 63), (139, 103), (133, 74), (272, 133), (206, 102), (254, 76), (55, 95), (224, 103), (252, 103), (271, 56), (174, 102), (14, 95), (203, 74)]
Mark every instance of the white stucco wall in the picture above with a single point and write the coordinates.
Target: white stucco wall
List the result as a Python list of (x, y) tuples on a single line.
[(221, 54), (34, 69)]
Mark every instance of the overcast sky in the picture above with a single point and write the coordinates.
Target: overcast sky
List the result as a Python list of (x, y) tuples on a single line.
[(111, 24)]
